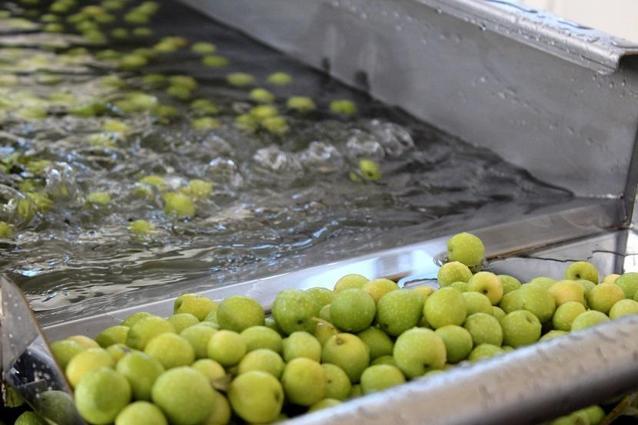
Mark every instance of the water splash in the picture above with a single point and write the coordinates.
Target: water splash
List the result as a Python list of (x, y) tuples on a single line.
[(278, 203)]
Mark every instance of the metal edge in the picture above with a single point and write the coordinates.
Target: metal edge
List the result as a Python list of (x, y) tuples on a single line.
[(28, 363), (631, 187), (629, 201), (578, 43), (602, 250), (568, 40), (527, 386), (501, 240)]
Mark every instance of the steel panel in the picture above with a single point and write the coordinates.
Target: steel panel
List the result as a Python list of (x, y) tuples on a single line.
[(554, 97)]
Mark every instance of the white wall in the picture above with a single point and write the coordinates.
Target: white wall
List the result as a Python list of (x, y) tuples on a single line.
[(617, 17)]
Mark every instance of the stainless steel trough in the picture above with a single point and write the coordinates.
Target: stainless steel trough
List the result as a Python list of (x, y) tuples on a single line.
[(555, 97), (551, 96)]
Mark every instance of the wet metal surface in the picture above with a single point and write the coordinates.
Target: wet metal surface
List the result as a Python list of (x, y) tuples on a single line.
[(27, 363), (531, 233), (549, 95), (527, 386)]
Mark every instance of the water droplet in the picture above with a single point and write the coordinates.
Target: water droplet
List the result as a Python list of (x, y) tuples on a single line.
[(573, 24), (518, 6), (625, 44)]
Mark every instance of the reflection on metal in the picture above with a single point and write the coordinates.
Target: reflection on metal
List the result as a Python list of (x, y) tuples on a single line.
[(630, 260), (27, 363), (563, 375), (566, 39), (606, 251), (556, 98), (527, 386), (533, 232)]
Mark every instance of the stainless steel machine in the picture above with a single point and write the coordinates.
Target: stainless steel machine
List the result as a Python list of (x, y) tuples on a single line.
[(551, 96)]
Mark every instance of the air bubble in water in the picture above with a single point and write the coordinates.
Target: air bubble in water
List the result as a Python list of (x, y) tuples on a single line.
[(225, 171), (394, 139), (363, 144), (321, 157), (274, 159), (60, 181)]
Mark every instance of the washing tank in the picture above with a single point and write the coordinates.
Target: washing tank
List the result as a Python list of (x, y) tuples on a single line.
[(546, 104)]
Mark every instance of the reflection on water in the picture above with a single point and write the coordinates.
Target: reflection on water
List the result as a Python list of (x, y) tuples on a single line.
[(80, 138)]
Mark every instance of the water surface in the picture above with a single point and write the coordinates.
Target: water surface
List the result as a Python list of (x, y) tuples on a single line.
[(279, 202)]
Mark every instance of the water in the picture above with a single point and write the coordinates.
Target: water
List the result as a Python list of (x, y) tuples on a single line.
[(279, 202)]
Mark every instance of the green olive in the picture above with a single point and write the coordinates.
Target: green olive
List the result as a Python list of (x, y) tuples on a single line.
[(263, 112), (246, 122), (132, 61), (179, 92), (369, 169), (205, 123), (98, 198), (301, 104), (262, 95), (276, 125), (240, 79), (108, 54), (204, 107), (6, 230), (53, 27), (142, 32), (183, 81), (198, 188), (179, 204), (215, 61), (203, 48), (154, 80), (343, 107), (137, 18), (279, 79), (115, 126), (141, 227), (119, 33)]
